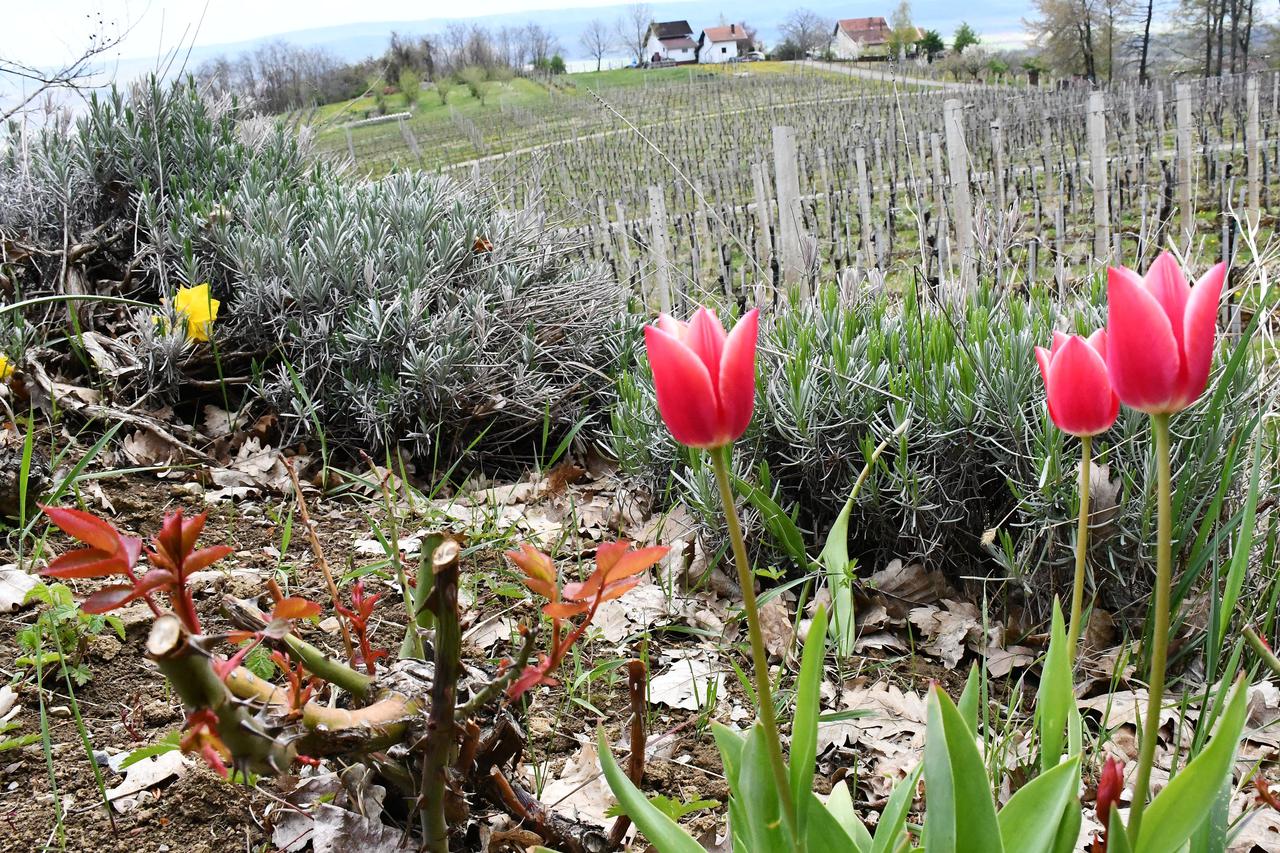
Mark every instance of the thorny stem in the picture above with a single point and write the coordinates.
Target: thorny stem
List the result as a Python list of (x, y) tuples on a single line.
[(244, 615), (436, 758), (318, 551), (1082, 549), (720, 459), (1261, 649), (491, 690), (1159, 625), (636, 683)]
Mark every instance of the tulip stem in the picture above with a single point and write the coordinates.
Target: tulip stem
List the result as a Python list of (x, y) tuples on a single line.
[(1159, 626), (720, 459), (1082, 549)]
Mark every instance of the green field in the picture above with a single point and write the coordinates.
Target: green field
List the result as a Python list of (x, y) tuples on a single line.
[(524, 112)]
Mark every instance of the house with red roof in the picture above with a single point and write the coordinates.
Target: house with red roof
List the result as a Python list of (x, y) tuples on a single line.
[(724, 44), (859, 38)]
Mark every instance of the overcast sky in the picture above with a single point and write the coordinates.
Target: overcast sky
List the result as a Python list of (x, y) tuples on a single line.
[(48, 32)]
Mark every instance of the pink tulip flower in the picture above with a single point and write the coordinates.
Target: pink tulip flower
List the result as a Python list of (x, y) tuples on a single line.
[(1081, 400), (705, 379), (1160, 334)]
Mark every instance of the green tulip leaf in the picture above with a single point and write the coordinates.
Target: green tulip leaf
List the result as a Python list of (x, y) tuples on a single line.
[(1055, 698), (1023, 824), (961, 814), (893, 819), (663, 832), (757, 796), (968, 704), (804, 728), (840, 807), (1179, 809)]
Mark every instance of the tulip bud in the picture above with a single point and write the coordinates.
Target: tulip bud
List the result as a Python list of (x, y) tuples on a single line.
[(1078, 390), (1110, 785), (705, 379), (1160, 334)]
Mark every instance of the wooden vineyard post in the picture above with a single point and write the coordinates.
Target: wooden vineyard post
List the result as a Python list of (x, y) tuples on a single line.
[(410, 140), (790, 222), (1252, 126), (940, 205), (351, 146), (764, 245), (961, 200), (864, 207), (1185, 207), (1097, 130), (997, 164), (658, 294)]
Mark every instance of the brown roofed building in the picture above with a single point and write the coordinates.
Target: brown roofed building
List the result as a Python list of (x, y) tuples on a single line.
[(670, 41)]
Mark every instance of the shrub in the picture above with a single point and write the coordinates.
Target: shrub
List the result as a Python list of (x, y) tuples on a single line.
[(473, 77), (981, 480), (394, 312)]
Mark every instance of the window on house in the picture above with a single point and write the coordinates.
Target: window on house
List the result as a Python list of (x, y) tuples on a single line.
[(724, 50)]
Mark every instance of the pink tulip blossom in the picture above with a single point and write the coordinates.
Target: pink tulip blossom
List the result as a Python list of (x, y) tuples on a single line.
[(1081, 399), (705, 379)]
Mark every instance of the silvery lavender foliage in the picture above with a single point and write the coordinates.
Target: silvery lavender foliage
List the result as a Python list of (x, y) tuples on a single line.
[(143, 181), (981, 479), (410, 311), (411, 306)]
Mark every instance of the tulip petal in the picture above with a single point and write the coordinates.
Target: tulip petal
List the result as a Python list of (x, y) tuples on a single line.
[(1098, 340), (706, 339), (686, 397), (738, 375), (1080, 398), (1142, 354), (1043, 358), (1166, 282), (1059, 338), (673, 327), (1200, 332)]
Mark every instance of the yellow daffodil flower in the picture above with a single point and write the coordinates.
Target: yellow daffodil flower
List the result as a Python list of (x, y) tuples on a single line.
[(6, 369), (199, 308)]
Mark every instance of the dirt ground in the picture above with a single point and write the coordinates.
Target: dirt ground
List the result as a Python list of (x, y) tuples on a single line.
[(126, 705)]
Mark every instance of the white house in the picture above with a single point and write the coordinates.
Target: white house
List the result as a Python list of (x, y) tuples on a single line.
[(670, 41), (858, 37), (723, 44)]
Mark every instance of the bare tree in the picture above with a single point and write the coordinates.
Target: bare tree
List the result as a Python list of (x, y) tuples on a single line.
[(808, 31), (596, 40), (633, 30), (540, 43), (73, 76)]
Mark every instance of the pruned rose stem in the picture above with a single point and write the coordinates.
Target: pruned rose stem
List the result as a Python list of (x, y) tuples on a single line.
[(720, 461), (244, 615), (1159, 625), (190, 671), (636, 683), (1082, 549), (441, 735)]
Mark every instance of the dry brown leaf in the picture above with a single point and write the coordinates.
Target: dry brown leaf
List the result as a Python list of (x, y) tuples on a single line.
[(900, 587), (776, 626), (580, 790), (691, 678), (948, 631)]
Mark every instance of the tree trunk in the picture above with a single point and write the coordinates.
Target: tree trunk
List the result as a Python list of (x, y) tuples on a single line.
[(1146, 44)]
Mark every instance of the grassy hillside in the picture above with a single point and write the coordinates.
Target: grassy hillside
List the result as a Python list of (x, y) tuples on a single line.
[(521, 113)]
